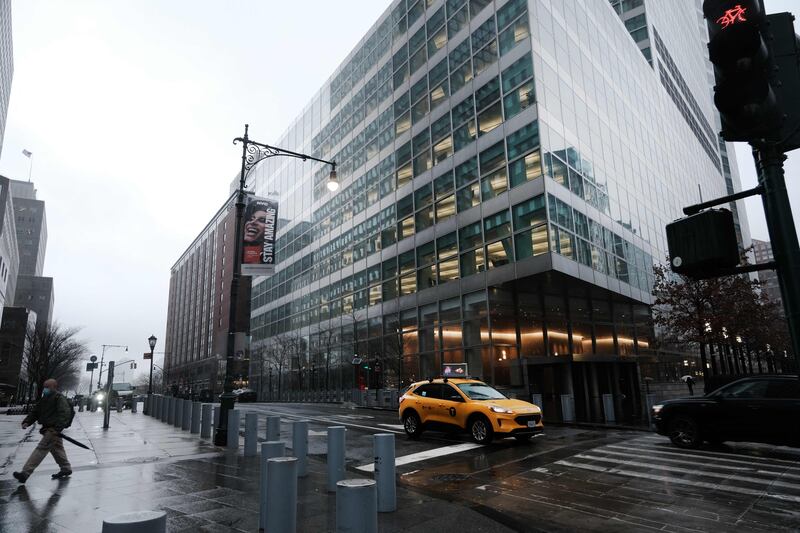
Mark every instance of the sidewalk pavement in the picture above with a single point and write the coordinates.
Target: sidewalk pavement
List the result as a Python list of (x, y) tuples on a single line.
[(143, 464)]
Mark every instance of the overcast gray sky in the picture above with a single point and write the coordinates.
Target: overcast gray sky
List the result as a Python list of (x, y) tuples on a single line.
[(129, 109)]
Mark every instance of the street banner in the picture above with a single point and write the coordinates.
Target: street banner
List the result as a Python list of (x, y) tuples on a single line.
[(258, 246)]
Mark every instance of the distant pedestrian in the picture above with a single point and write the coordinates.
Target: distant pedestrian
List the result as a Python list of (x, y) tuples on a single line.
[(54, 413)]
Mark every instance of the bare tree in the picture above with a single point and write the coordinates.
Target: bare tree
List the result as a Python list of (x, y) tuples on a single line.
[(53, 352), (143, 381), (281, 352)]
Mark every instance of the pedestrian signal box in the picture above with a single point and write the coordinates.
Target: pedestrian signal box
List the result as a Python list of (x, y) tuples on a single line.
[(702, 244)]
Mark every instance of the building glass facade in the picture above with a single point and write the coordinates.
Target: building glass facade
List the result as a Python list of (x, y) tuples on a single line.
[(6, 64), (507, 170)]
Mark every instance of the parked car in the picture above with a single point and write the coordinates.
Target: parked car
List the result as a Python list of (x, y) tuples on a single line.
[(470, 405), (246, 395), (754, 409)]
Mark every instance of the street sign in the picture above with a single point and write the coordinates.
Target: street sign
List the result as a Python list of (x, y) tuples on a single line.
[(89, 367), (356, 360), (93, 358), (148, 355)]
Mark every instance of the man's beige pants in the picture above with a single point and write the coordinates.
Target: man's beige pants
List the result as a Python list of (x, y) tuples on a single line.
[(50, 443)]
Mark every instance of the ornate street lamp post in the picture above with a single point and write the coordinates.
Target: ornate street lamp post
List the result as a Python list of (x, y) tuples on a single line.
[(152, 341), (252, 153)]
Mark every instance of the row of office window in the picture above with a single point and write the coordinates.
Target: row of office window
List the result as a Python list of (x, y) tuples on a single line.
[(501, 98), (499, 239), (498, 34), (489, 329)]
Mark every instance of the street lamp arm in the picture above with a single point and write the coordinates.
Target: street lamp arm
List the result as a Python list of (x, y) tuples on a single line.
[(257, 152)]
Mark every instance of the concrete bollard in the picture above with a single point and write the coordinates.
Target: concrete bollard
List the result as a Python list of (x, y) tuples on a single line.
[(336, 456), (186, 423), (281, 495), (178, 417), (195, 417), (205, 421), (164, 409), (383, 445), (300, 446), (250, 434), (273, 428), (356, 506), (171, 410), (269, 450), (136, 522), (233, 430), (216, 416)]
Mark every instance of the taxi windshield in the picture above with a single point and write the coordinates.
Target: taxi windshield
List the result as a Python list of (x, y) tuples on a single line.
[(480, 391)]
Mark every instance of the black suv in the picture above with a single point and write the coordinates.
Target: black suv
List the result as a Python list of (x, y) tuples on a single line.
[(754, 409)]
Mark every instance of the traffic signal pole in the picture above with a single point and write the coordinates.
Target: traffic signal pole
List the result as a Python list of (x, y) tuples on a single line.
[(783, 235)]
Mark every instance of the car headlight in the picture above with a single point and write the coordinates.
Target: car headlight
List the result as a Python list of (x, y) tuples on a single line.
[(498, 409), (101, 396), (657, 408)]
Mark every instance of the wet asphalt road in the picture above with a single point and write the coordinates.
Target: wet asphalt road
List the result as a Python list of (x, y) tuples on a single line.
[(575, 479)]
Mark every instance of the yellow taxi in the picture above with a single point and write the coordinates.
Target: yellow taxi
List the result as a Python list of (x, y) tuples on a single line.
[(468, 404)]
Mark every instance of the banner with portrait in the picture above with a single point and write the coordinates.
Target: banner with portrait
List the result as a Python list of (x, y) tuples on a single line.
[(258, 236)]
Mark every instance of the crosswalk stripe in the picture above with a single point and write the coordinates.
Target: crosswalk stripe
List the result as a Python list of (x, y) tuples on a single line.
[(651, 456), (719, 456), (427, 454), (393, 426), (678, 470), (680, 481)]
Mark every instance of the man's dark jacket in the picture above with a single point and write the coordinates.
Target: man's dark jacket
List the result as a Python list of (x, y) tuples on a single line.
[(52, 411)]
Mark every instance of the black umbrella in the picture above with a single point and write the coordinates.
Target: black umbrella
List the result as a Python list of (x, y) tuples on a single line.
[(73, 441)]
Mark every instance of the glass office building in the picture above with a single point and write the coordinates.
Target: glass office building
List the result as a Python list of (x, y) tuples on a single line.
[(507, 171)]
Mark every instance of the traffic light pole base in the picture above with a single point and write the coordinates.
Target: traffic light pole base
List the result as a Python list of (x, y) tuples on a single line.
[(226, 403)]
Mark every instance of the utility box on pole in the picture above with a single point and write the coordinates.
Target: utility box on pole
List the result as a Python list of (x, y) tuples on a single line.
[(703, 243)]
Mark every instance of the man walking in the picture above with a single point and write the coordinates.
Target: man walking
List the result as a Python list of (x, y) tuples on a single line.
[(54, 414)]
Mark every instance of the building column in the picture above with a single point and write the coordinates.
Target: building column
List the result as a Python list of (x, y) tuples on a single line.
[(597, 410)]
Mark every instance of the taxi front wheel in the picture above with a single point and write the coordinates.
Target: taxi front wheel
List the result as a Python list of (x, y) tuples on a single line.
[(412, 424), (481, 430)]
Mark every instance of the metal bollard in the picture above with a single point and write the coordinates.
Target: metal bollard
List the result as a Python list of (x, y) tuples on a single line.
[(171, 410), (250, 434), (383, 445), (186, 424), (205, 421), (136, 522), (216, 416), (273, 428), (195, 417), (336, 456), (300, 446), (134, 405), (356, 506), (119, 404), (269, 450), (164, 409), (281, 495), (80, 406), (178, 417), (233, 430)]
